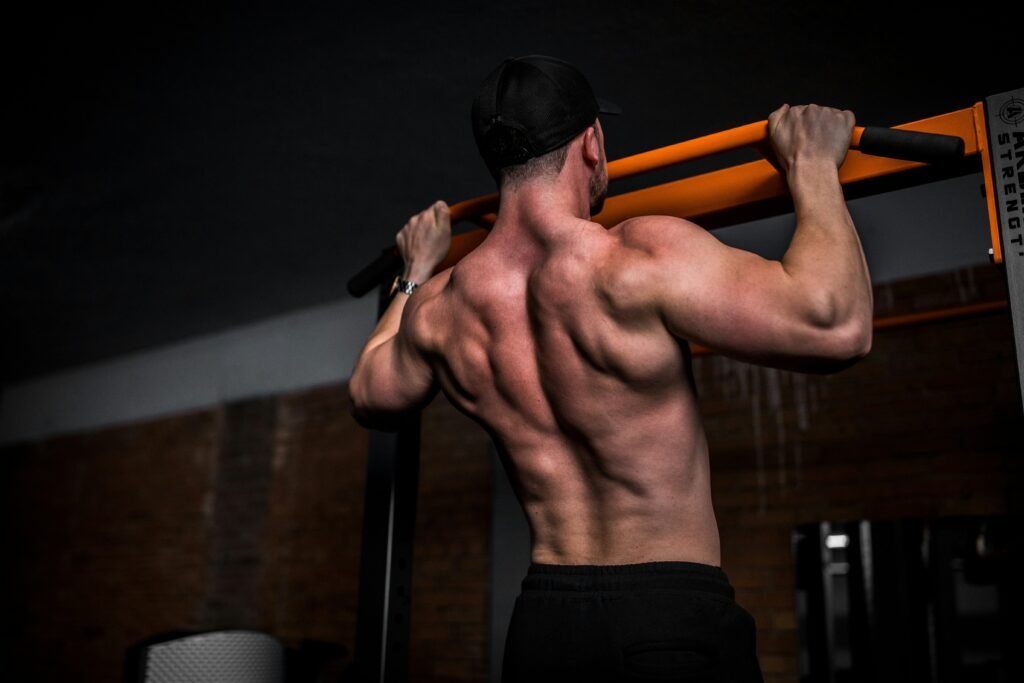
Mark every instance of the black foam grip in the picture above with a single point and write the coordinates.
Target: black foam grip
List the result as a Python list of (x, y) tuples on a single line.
[(911, 145), (380, 270)]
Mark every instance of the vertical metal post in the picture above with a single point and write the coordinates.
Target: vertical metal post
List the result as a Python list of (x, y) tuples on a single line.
[(385, 569), (1004, 114)]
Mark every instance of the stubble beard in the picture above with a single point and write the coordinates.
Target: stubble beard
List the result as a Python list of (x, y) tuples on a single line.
[(598, 191)]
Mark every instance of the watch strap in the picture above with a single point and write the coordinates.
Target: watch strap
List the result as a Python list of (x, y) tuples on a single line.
[(404, 286)]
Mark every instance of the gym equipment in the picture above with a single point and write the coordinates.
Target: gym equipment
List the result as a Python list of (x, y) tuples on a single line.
[(988, 135), (681, 198), (211, 657)]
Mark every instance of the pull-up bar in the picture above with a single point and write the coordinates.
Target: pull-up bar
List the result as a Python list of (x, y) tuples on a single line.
[(990, 134), (907, 144)]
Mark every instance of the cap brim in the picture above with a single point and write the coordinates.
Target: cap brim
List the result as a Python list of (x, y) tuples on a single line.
[(606, 107)]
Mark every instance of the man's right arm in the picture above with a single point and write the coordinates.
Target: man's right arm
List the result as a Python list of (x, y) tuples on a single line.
[(810, 312)]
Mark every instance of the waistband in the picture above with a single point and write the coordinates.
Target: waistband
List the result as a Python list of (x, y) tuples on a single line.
[(628, 577)]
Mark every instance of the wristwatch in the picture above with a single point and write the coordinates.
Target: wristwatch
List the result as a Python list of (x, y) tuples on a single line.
[(401, 285)]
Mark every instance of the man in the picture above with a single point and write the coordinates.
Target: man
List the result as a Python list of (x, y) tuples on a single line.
[(568, 343)]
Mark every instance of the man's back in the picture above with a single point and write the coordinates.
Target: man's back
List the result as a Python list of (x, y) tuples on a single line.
[(589, 398), (568, 343)]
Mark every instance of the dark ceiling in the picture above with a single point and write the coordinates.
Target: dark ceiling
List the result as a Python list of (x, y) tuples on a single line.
[(178, 171)]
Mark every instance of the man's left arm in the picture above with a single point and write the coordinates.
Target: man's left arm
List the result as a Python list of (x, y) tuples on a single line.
[(392, 375)]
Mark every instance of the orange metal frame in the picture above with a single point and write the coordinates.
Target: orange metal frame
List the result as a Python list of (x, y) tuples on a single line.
[(743, 184)]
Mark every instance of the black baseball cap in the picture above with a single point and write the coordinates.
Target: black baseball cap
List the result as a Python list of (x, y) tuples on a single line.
[(530, 105)]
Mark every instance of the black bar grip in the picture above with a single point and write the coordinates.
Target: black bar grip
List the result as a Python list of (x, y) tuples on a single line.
[(382, 268), (910, 145)]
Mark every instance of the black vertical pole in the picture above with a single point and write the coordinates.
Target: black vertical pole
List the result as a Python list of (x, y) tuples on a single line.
[(385, 568)]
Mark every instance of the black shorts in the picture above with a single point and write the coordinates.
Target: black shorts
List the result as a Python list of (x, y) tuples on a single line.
[(656, 621)]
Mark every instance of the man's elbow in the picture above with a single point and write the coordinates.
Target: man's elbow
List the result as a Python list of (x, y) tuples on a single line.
[(860, 335), (370, 417), (852, 344), (357, 404), (362, 417)]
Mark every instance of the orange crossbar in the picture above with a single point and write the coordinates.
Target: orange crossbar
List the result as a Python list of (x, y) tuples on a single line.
[(735, 186)]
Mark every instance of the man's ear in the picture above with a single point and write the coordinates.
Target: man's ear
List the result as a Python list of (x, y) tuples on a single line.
[(591, 146)]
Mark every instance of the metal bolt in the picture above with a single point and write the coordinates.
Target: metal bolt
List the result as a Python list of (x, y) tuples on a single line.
[(991, 255)]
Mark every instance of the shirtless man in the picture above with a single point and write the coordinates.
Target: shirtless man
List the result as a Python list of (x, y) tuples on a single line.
[(567, 342)]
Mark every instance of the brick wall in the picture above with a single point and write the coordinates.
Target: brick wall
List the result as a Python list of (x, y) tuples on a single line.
[(250, 514), (107, 535), (312, 548), (247, 516), (451, 587), (929, 424)]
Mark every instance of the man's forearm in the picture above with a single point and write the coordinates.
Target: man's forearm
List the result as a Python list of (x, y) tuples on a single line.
[(825, 253), (391, 374), (387, 326)]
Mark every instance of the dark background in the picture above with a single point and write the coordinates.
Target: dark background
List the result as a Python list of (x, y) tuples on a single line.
[(172, 171), (181, 169)]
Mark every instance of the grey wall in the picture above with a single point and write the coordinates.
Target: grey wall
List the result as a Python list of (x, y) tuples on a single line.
[(305, 348)]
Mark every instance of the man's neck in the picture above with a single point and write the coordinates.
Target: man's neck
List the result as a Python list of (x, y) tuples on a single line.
[(539, 212)]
